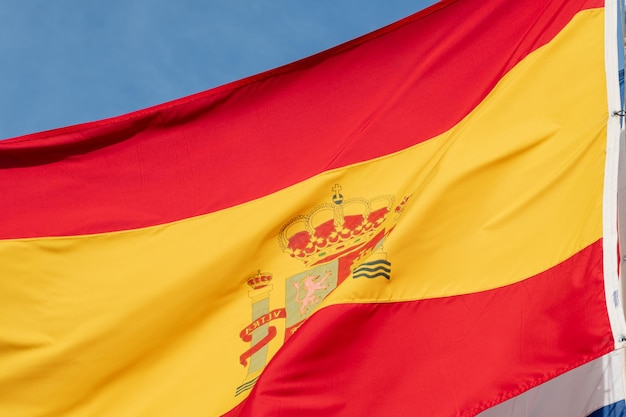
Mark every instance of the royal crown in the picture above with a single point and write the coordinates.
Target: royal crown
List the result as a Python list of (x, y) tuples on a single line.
[(332, 229), (259, 280)]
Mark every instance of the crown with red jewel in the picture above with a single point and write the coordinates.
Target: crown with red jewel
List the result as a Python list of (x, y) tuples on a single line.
[(259, 280), (335, 228)]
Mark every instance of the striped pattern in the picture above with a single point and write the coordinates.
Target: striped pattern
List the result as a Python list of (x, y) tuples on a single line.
[(456, 217), (595, 389), (245, 386), (374, 269), (277, 128), (454, 356)]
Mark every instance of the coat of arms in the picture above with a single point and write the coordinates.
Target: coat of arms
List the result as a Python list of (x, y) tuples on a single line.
[(333, 240)]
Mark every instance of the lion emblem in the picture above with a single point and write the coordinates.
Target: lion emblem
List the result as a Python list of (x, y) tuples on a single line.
[(306, 289)]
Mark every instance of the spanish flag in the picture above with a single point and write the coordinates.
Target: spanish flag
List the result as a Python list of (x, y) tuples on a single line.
[(420, 222)]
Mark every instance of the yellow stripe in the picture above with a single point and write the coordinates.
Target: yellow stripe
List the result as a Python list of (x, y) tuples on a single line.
[(149, 319), (515, 188)]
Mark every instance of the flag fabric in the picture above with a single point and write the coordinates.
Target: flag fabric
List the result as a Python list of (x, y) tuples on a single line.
[(419, 222)]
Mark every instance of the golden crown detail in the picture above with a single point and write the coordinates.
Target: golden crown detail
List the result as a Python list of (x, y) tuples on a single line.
[(259, 280), (335, 228)]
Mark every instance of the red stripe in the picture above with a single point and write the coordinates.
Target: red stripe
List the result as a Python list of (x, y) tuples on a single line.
[(442, 357), (367, 98)]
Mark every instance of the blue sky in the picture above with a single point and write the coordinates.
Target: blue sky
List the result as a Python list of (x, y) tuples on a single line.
[(71, 61)]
